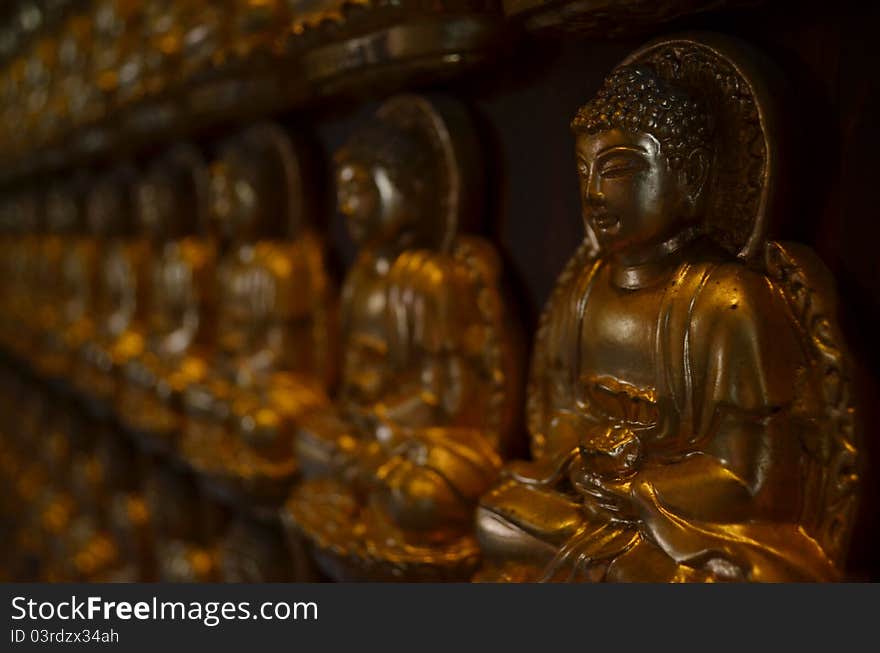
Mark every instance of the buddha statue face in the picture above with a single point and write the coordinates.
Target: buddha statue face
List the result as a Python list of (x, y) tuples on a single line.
[(643, 159), (380, 187), (247, 193), (375, 208), (234, 202), (168, 199), (247, 202)]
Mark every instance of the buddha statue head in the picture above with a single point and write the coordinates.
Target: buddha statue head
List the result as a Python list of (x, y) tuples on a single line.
[(63, 208), (644, 151), (154, 204), (399, 182), (62, 215), (170, 198), (109, 209), (255, 25), (65, 214), (649, 152), (381, 185), (110, 215), (74, 93), (256, 190)]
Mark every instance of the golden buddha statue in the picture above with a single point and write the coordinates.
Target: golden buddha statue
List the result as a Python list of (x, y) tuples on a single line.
[(8, 111), (159, 65), (42, 460), (689, 403), (273, 358), (85, 512), (430, 361), (77, 471), (252, 550), (120, 305), (22, 405), (258, 26), (68, 280), (58, 219), (206, 25), (186, 527), (13, 140), (39, 79), (171, 204), (22, 306), (53, 221), (117, 35), (234, 54), (77, 287), (78, 101), (8, 241), (122, 509), (100, 291), (156, 43)]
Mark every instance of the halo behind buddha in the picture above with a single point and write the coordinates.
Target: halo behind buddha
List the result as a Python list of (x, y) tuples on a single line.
[(718, 72)]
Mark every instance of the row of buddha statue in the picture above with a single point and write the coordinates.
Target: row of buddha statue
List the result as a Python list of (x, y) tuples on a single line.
[(189, 396), (84, 63), (86, 77)]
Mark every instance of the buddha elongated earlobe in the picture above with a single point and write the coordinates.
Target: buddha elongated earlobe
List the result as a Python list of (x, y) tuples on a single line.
[(695, 175)]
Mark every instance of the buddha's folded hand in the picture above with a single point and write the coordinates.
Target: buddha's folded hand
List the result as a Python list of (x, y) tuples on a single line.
[(436, 477), (325, 443)]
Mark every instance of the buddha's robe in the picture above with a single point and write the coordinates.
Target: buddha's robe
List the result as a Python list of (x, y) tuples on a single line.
[(685, 465), (417, 428), (180, 328)]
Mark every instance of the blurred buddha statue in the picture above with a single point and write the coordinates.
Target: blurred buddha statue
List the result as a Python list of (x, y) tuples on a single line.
[(107, 283), (78, 101), (57, 222), (233, 52), (18, 113), (62, 514), (24, 243), (430, 360), (40, 76), (89, 513), (121, 294), (171, 202), (122, 509), (23, 407), (71, 507), (253, 550), (257, 28), (65, 508), (25, 479), (70, 279), (689, 403), (273, 358), (8, 241), (171, 208), (157, 36), (206, 25), (117, 38), (185, 526), (172, 205)]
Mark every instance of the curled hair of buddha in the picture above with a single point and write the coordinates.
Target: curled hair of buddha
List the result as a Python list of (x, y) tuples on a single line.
[(635, 98), (402, 153)]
